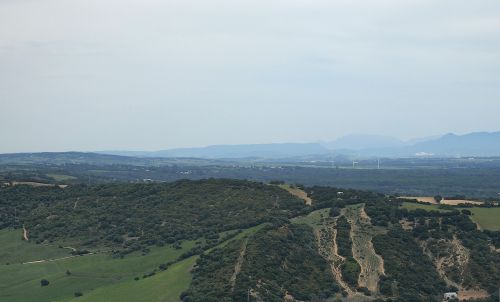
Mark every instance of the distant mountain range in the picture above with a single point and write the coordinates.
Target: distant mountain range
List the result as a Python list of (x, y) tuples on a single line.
[(364, 141), (348, 147), (235, 151), (472, 144), (449, 145)]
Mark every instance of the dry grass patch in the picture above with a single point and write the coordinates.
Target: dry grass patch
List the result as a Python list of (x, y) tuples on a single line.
[(421, 199), (465, 295)]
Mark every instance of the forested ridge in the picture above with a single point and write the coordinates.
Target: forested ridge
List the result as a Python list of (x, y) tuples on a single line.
[(132, 216)]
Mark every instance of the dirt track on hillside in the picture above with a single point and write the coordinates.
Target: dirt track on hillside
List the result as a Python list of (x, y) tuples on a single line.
[(25, 233), (298, 193), (238, 264), (327, 248), (372, 264)]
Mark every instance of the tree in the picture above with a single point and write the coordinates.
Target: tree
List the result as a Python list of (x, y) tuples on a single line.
[(466, 212), (44, 282), (334, 212), (438, 198)]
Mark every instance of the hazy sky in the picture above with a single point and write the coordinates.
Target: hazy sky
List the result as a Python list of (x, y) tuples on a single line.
[(147, 75)]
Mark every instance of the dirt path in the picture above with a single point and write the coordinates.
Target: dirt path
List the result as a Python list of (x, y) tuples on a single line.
[(363, 216), (472, 294), (56, 259), (372, 264), (238, 264), (25, 233)]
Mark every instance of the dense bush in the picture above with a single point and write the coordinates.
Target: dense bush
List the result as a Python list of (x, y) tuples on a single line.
[(410, 275), (277, 260), (130, 217), (350, 268)]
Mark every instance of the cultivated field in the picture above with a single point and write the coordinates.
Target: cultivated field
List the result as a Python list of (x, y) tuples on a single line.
[(451, 202), (455, 202), (421, 199), (486, 218), (428, 207), (61, 177)]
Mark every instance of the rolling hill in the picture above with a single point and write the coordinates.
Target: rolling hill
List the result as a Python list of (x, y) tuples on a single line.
[(233, 240)]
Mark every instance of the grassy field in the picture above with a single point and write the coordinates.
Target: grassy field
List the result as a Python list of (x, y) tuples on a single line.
[(100, 277), (314, 219), (13, 250), (21, 282), (486, 218), (163, 287), (428, 207), (61, 177)]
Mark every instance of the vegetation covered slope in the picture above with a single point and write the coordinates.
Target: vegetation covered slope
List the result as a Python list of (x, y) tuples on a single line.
[(466, 257), (410, 275), (277, 261), (350, 267), (280, 249), (129, 217)]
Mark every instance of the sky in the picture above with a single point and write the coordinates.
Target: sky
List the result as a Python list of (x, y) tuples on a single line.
[(156, 74)]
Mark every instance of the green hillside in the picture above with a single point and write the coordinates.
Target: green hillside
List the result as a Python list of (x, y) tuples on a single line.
[(227, 240)]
